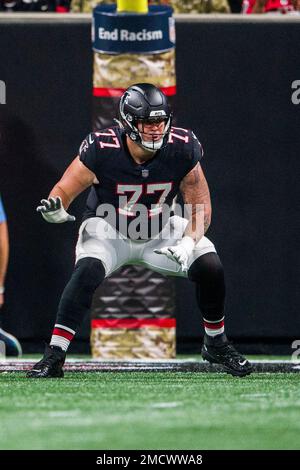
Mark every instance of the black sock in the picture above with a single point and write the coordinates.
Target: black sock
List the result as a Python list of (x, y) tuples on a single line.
[(76, 300), (208, 274)]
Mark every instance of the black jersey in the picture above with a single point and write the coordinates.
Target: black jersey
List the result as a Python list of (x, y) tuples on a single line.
[(133, 190)]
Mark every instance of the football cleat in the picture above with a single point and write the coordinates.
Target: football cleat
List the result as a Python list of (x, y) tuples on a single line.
[(50, 365), (219, 350)]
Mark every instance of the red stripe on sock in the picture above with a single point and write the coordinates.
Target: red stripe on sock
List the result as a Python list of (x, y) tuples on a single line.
[(214, 326), (61, 9), (63, 333)]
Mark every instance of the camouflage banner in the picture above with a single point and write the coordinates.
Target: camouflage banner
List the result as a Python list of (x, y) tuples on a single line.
[(123, 70), (87, 6), (126, 343), (196, 6), (179, 6)]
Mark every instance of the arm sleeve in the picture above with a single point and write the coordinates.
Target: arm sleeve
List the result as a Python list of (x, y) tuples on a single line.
[(2, 213), (88, 152)]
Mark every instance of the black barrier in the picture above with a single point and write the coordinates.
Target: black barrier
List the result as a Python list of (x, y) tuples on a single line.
[(235, 90), (47, 71), (240, 75)]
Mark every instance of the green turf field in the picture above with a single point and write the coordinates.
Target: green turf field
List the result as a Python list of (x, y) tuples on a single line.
[(150, 411)]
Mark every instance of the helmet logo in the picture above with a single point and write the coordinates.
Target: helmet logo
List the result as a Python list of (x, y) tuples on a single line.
[(157, 113)]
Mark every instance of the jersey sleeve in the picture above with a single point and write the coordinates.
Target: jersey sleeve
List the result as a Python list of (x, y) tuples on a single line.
[(2, 213), (195, 152), (88, 152), (197, 149)]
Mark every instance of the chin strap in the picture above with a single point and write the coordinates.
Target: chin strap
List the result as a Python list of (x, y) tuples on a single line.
[(118, 123), (152, 145)]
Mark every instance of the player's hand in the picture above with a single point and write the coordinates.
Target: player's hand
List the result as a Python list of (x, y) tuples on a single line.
[(180, 252), (1, 300), (53, 211)]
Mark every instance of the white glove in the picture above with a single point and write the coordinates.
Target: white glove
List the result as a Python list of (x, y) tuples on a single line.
[(180, 252), (53, 211)]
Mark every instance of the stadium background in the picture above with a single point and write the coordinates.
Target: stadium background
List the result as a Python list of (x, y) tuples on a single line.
[(234, 90)]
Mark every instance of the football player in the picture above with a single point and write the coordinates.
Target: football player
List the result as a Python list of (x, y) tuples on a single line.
[(135, 170)]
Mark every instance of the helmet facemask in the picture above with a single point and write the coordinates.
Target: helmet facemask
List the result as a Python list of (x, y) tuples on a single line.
[(152, 138)]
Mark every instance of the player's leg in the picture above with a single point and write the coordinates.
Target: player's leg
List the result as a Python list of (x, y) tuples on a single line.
[(97, 257), (171, 235), (208, 275), (207, 272), (74, 304)]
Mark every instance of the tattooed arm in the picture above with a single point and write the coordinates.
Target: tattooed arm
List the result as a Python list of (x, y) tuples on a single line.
[(195, 193)]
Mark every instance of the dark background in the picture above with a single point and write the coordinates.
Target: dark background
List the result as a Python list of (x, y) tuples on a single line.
[(234, 90)]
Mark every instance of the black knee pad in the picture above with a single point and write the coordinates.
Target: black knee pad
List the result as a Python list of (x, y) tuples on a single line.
[(77, 296), (208, 274), (89, 273), (206, 267)]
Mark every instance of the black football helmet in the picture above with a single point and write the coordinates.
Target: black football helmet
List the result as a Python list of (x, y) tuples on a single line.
[(145, 103)]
